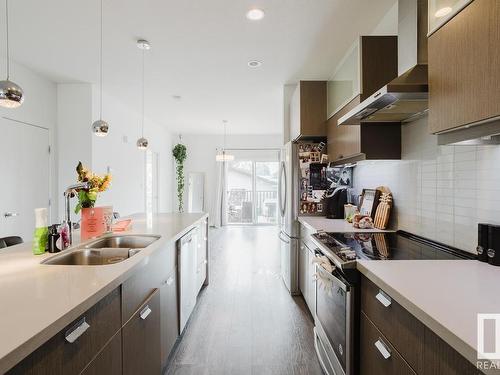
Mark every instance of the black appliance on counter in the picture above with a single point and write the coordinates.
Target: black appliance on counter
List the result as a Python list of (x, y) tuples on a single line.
[(334, 203), (488, 243), (337, 292)]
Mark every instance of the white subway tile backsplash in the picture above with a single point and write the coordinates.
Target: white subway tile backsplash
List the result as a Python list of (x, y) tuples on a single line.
[(440, 192)]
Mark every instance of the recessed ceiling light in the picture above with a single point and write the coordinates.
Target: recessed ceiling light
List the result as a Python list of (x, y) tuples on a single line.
[(255, 14), (176, 97), (442, 12), (254, 63)]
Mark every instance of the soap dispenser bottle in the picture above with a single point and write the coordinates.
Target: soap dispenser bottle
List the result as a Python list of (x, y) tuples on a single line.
[(41, 231)]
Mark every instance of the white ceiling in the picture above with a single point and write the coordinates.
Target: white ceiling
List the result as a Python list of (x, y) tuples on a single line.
[(200, 51)]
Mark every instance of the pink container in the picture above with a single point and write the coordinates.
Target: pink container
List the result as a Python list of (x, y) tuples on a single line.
[(93, 223)]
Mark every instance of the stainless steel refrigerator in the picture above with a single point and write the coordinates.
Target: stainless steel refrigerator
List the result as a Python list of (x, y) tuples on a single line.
[(291, 204), (289, 227)]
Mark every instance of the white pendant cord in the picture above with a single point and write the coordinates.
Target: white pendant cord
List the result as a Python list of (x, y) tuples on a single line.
[(100, 70), (142, 110), (7, 35)]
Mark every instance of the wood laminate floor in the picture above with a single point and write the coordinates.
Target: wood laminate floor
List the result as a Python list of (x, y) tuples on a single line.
[(246, 322)]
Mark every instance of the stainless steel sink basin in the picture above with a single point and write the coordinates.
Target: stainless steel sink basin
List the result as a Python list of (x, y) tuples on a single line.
[(107, 250), (92, 257), (125, 241)]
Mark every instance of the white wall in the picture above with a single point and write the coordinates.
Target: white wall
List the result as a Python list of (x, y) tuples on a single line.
[(39, 108), (388, 25), (201, 150), (74, 120), (440, 192), (118, 153)]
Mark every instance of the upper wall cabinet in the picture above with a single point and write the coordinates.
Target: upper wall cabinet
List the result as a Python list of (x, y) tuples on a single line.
[(308, 110), (441, 11), (464, 61), (368, 65), (345, 82)]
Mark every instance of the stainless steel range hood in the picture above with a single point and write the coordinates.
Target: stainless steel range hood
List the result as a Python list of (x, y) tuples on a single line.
[(405, 98)]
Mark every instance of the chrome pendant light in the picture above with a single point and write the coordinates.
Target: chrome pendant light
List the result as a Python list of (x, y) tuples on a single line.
[(142, 143), (223, 155), (100, 127), (11, 94)]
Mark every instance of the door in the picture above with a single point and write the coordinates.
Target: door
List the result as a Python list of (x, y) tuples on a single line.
[(252, 187), (152, 168), (169, 316), (25, 177), (141, 339), (196, 192)]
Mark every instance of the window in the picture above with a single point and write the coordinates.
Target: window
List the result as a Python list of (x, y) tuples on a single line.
[(252, 187)]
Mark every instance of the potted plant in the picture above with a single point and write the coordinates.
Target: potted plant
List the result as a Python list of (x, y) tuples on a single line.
[(180, 154), (93, 220)]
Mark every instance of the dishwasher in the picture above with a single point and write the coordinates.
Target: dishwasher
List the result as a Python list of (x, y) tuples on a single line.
[(187, 276)]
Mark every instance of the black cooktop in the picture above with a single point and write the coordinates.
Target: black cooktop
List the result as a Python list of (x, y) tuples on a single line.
[(386, 246)]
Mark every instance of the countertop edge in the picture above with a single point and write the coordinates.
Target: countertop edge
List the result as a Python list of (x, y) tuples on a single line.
[(444, 333), (19, 353)]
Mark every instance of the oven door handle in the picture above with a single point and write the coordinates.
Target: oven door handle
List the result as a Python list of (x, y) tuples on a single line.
[(338, 282)]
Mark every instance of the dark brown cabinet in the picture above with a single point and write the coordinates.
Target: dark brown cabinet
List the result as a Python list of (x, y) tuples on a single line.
[(377, 66), (393, 341), (72, 349), (109, 359), (141, 339), (308, 110), (378, 356), (169, 320), (463, 68)]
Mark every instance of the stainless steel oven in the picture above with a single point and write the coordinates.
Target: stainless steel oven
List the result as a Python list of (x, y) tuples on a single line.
[(334, 321)]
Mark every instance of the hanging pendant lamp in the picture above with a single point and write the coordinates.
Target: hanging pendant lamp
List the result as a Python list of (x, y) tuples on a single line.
[(142, 143), (223, 155), (100, 127), (11, 94)]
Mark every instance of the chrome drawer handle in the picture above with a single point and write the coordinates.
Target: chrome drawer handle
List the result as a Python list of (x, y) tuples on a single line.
[(383, 298), (170, 280), (383, 349), (145, 312), (76, 331)]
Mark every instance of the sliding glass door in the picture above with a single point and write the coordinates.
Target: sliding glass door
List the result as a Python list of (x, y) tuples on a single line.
[(252, 187)]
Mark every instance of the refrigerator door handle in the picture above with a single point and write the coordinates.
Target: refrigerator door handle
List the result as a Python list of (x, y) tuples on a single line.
[(282, 199), (282, 239)]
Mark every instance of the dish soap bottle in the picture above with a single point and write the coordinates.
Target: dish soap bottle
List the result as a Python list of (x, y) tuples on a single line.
[(41, 231)]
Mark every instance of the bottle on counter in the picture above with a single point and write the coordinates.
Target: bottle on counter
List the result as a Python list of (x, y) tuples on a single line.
[(41, 231), (53, 239), (63, 242)]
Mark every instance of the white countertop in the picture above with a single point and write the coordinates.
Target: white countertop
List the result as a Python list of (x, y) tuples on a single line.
[(317, 223), (38, 300), (445, 295)]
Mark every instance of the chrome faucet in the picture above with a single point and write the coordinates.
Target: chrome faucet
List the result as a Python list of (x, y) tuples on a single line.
[(68, 194)]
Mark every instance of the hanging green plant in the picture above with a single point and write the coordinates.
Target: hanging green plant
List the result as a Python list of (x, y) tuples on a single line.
[(180, 154)]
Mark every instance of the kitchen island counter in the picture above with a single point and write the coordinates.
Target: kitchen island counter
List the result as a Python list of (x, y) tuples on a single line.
[(38, 300)]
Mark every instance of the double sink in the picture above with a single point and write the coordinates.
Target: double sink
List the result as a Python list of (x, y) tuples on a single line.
[(103, 251)]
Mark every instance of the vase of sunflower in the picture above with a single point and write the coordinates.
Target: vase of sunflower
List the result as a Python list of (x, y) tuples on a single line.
[(93, 221)]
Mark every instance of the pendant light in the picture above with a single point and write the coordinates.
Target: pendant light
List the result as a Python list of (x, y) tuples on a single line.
[(142, 143), (11, 94), (100, 127), (223, 155)]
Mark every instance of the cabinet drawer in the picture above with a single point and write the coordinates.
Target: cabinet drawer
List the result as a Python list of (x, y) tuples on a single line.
[(109, 360), (401, 328), (378, 356), (136, 289), (305, 236), (89, 333), (141, 339)]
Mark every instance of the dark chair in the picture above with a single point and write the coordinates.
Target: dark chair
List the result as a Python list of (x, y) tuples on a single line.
[(10, 241)]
